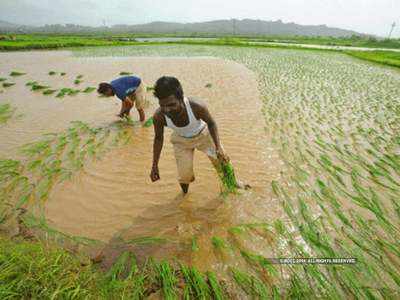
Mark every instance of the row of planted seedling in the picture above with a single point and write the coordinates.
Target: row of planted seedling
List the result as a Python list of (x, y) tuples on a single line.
[(343, 178), (47, 90), (53, 159)]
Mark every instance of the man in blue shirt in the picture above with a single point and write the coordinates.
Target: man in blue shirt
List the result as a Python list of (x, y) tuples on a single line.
[(130, 90)]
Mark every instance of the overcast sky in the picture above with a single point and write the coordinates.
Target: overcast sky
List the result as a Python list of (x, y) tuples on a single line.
[(366, 16)]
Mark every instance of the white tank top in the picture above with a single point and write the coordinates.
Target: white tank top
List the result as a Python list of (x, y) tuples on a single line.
[(194, 127)]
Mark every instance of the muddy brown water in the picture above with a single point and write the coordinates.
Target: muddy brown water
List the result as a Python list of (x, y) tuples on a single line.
[(113, 199)]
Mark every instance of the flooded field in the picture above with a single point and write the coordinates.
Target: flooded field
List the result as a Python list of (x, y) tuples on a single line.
[(315, 134)]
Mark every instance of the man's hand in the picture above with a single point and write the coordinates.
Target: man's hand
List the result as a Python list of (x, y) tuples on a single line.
[(155, 174), (222, 156)]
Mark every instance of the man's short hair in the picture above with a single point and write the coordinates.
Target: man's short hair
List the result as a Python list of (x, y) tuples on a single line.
[(104, 87), (167, 86)]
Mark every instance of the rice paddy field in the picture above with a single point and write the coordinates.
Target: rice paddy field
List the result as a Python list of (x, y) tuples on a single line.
[(319, 139)]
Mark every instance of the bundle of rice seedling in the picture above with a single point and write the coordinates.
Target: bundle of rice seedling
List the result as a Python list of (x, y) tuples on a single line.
[(149, 122), (89, 89), (124, 73), (49, 92), (30, 83), (36, 87), (15, 73), (228, 178), (7, 84)]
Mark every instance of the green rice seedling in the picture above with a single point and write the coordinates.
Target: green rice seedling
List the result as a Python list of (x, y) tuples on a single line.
[(89, 89), (37, 87), (221, 248), (250, 284), (119, 268), (147, 240), (227, 175), (208, 85), (149, 122), (218, 243), (49, 92), (60, 144), (2, 79), (37, 148), (125, 73), (237, 230), (216, 290), (34, 165), (60, 95), (196, 286), (195, 246), (63, 92), (63, 73), (51, 73), (30, 83), (126, 287), (6, 112), (167, 280), (15, 73), (149, 88), (260, 264), (79, 76), (73, 92), (77, 81), (8, 84)]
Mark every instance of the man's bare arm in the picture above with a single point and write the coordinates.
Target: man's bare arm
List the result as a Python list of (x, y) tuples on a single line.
[(158, 123), (126, 106), (200, 110)]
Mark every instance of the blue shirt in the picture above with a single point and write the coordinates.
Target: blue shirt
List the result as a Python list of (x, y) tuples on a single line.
[(125, 85)]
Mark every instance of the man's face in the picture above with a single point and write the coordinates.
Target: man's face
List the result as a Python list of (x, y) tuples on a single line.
[(109, 93), (171, 106)]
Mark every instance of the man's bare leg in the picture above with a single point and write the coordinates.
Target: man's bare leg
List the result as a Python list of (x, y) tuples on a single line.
[(142, 116)]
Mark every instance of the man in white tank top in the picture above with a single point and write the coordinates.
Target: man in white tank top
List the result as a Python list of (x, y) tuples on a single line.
[(193, 128)]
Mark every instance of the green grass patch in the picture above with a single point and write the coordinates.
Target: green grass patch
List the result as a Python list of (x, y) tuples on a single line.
[(32, 271), (389, 58)]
